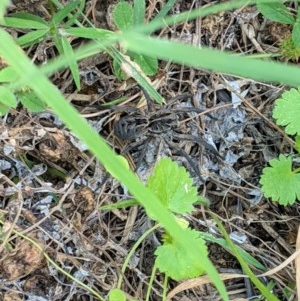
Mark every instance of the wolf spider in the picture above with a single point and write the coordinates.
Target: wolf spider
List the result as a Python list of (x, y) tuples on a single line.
[(164, 124)]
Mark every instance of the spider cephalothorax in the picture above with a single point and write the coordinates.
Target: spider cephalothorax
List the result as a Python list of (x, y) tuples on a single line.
[(165, 123)]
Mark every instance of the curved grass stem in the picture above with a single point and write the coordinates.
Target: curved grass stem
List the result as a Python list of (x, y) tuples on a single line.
[(133, 249), (52, 262)]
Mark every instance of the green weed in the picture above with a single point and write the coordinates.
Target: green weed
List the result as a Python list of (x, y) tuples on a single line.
[(22, 73), (280, 181), (125, 17), (278, 12)]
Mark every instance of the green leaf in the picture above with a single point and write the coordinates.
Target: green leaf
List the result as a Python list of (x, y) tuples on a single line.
[(211, 59), (3, 109), (279, 182), (173, 186), (116, 295), (17, 22), (3, 5), (32, 37), (36, 79), (176, 263), (297, 143), (7, 97), (276, 11), (31, 101), (202, 201), (29, 17), (118, 72), (296, 31), (8, 75), (224, 244), (287, 110), (123, 16), (132, 69), (139, 7), (119, 205), (89, 33), (246, 269), (167, 7), (79, 12), (7, 100), (148, 64), (63, 13), (65, 48)]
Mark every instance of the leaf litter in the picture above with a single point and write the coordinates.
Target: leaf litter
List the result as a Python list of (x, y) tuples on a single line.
[(62, 186)]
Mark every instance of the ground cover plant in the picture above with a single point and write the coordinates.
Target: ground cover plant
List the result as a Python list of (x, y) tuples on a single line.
[(278, 12), (279, 181), (41, 151)]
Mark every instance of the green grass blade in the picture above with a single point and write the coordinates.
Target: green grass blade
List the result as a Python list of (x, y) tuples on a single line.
[(138, 75), (23, 23), (223, 243), (31, 37), (296, 31), (167, 7), (214, 60), (276, 12), (201, 12), (63, 13), (73, 18), (62, 62), (139, 8), (51, 95), (89, 33), (68, 52), (28, 17), (8, 75), (263, 289), (119, 205), (3, 5)]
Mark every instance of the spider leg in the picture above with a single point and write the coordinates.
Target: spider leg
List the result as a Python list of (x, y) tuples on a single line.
[(187, 157), (200, 141), (195, 110), (148, 99), (129, 147), (143, 153), (144, 143)]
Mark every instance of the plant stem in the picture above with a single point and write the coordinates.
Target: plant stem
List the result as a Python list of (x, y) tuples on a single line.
[(151, 282), (55, 265), (297, 170), (133, 249), (165, 288)]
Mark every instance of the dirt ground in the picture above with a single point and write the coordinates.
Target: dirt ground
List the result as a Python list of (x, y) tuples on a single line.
[(51, 187)]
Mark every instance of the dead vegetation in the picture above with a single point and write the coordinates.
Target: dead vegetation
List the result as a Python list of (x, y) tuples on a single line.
[(51, 187)]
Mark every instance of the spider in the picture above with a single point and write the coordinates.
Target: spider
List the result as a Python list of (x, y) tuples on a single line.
[(139, 128)]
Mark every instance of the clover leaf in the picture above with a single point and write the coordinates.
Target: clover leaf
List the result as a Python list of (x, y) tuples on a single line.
[(123, 16), (173, 186), (279, 182), (287, 111), (176, 263)]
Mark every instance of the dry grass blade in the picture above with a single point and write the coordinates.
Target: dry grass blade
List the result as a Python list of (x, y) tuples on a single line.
[(61, 205), (297, 264), (189, 284)]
